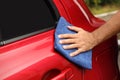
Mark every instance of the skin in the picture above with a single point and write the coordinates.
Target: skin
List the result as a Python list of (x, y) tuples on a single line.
[(84, 40)]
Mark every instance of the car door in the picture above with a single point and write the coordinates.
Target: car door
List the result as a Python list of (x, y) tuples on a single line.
[(26, 43), (106, 53), (27, 38)]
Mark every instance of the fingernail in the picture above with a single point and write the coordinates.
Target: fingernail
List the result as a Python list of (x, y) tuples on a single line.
[(71, 55), (60, 41), (64, 47), (59, 36), (69, 26)]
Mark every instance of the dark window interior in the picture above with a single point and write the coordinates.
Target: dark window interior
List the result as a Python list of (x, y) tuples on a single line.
[(20, 17)]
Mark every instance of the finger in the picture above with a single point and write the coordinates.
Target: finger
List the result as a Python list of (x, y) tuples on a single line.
[(74, 28), (67, 41), (66, 35), (71, 46), (76, 52)]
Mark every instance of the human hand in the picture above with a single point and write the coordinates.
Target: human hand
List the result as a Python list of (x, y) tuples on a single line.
[(82, 40)]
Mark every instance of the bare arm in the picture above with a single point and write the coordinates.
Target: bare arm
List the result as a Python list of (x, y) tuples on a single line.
[(84, 40), (109, 29)]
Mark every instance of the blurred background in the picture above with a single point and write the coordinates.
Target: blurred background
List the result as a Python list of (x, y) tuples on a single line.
[(105, 9), (102, 6)]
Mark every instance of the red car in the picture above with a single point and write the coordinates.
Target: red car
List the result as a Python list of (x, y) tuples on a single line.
[(27, 37)]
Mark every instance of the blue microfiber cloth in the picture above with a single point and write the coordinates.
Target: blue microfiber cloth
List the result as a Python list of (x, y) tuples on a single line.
[(83, 59)]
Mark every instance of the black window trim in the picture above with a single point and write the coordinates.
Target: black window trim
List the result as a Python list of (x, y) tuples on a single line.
[(24, 36), (56, 16)]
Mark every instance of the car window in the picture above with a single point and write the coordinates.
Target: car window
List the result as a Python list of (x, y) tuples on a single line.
[(21, 17)]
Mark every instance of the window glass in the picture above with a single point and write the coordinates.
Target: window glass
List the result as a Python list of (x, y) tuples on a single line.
[(20, 17)]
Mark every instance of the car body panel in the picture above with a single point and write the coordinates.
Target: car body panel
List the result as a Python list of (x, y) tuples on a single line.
[(28, 58), (105, 53), (34, 58)]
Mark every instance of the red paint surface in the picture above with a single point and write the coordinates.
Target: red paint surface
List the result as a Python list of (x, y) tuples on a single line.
[(34, 58)]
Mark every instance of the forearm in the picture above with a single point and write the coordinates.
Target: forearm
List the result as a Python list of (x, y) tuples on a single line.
[(109, 29)]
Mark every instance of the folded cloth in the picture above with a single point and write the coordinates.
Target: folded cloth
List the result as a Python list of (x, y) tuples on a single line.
[(83, 59)]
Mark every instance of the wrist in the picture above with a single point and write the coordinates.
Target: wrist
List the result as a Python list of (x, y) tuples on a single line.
[(97, 38)]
